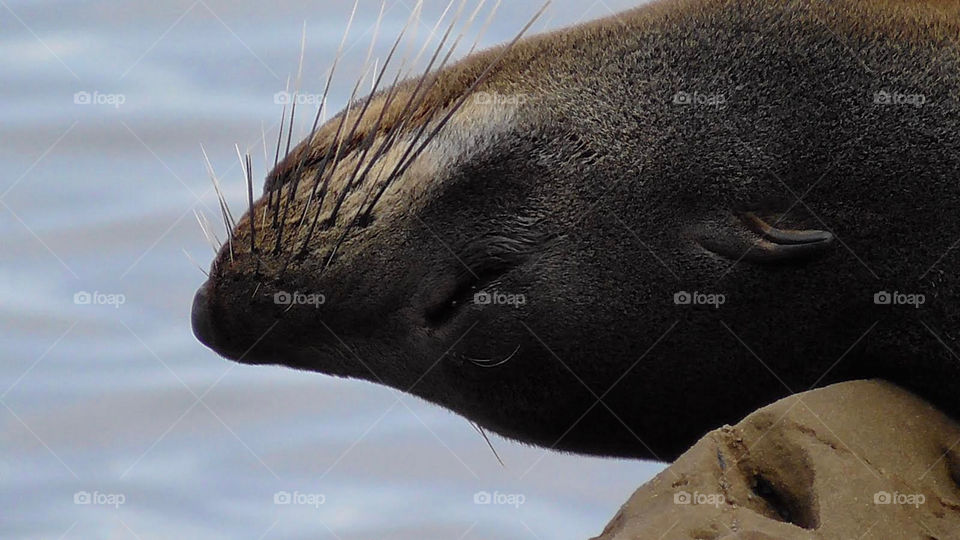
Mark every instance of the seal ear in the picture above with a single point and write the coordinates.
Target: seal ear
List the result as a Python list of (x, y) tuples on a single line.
[(748, 237)]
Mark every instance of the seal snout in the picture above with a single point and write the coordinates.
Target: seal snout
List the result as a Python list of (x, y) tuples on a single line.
[(201, 317)]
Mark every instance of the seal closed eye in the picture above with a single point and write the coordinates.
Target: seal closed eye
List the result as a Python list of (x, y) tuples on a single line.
[(560, 238)]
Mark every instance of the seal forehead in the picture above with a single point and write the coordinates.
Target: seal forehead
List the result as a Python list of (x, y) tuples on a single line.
[(406, 108), (473, 129)]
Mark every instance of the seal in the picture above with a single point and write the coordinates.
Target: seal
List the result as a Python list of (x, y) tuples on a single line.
[(615, 237)]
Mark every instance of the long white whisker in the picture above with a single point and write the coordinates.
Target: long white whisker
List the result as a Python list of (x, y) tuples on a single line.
[(376, 83), (214, 244), (405, 161), (433, 32), (185, 252), (296, 91), (333, 69), (245, 167), (224, 209), (485, 27), (263, 138), (489, 444), (276, 159)]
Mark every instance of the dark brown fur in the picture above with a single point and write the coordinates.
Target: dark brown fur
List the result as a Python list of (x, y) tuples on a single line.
[(593, 201)]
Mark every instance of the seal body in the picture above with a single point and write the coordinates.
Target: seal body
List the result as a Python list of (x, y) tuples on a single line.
[(628, 232)]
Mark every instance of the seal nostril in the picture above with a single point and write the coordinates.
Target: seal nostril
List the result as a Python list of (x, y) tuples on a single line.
[(200, 317)]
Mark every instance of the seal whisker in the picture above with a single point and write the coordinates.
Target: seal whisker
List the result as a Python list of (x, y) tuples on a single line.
[(483, 434), (368, 144), (209, 227), (414, 97), (263, 139), (293, 112), (206, 234), (185, 252), (337, 156), (333, 69), (404, 163), (296, 90), (266, 160), (320, 177), (276, 159), (253, 220), (335, 149), (423, 97), (397, 128), (473, 17), (246, 177), (485, 27), (224, 208), (363, 112), (334, 152), (322, 107), (433, 31), (391, 94)]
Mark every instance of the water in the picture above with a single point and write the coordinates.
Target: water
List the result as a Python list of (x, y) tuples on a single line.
[(114, 402)]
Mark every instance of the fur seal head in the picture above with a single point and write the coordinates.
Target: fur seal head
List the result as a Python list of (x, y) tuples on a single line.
[(613, 238)]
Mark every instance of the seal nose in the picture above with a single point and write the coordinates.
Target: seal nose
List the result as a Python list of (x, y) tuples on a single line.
[(201, 319)]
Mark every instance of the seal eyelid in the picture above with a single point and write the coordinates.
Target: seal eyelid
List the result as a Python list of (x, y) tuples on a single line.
[(468, 284), (488, 259)]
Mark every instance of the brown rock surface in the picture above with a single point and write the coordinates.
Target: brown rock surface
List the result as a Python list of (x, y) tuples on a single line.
[(861, 459)]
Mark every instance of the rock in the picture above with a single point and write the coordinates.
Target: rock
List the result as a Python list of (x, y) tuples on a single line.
[(861, 459)]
